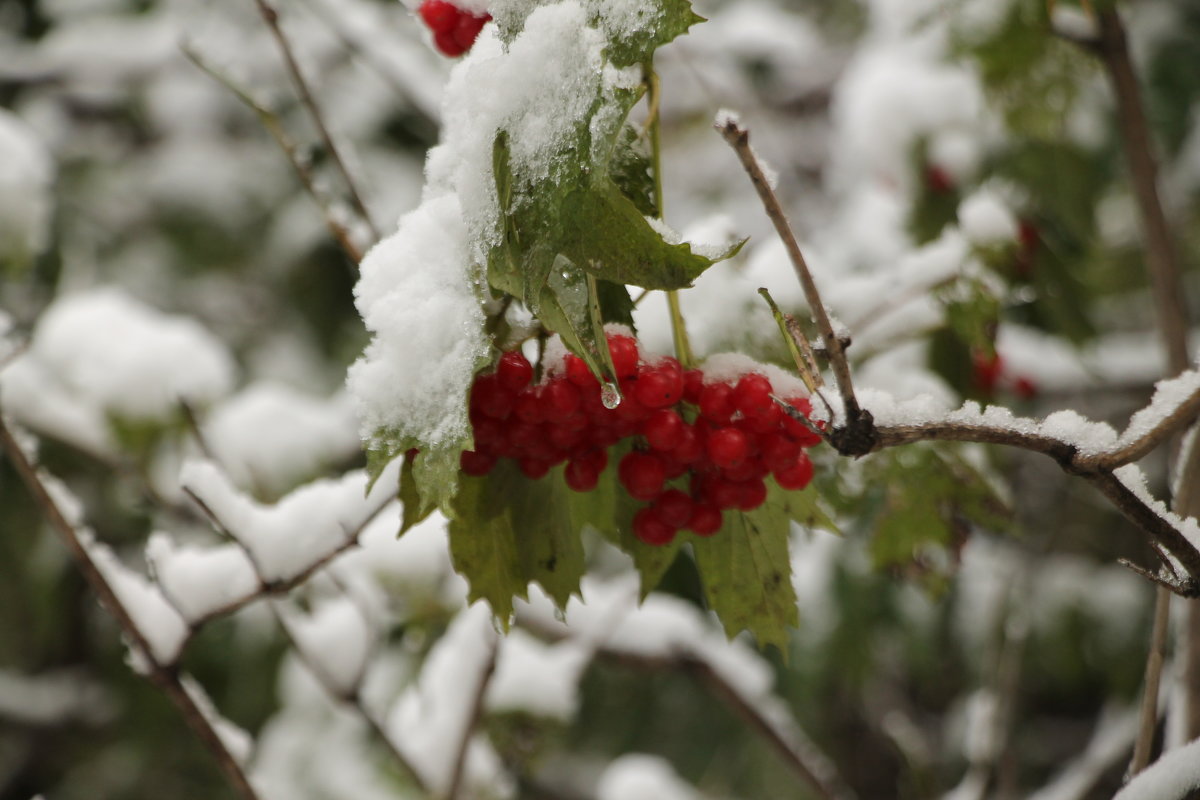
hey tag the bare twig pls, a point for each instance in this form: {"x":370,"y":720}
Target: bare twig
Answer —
{"x":270,"y":121}
{"x":1148,"y":716}
{"x":810,"y":765}
{"x":473,"y":714}
{"x":1162,"y":261}
{"x":165,"y":676}
{"x":857,"y":435}
{"x":271,"y":17}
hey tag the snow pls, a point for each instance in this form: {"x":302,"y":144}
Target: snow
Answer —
{"x":101,"y":352}
{"x":1111,"y":741}
{"x":536,"y":678}
{"x":428,"y":720}
{"x":306,"y":526}
{"x":336,"y":640}
{"x":986,"y":219}
{"x":417,"y":295}
{"x":26,"y":180}
{"x":236,"y":740}
{"x":270,"y":436}
{"x":729,"y":367}
{"x":200,"y":581}
{"x":1132,"y":477}
{"x":642,"y":777}
{"x":1172,"y":776}
{"x":164,"y":630}
{"x":53,"y":697}
{"x":1169,"y":394}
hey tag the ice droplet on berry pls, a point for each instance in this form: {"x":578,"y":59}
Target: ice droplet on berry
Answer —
{"x":610,"y":395}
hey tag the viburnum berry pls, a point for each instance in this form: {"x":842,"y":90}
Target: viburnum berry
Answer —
{"x":674,"y":508}
{"x":651,"y":529}
{"x":581,"y":474}
{"x":440,"y":16}
{"x":663,"y":429}
{"x":476,"y":464}
{"x":727,"y":447}
{"x":454,"y":29}
{"x":660,"y":385}
{"x":752,"y":395}
{"x":514,"y":370}
{"x":706,"y":519}
{"x":624,"y":352}
{"x":797,"y":476}
{"x":716,"y":403}
{"x":642,"y":475}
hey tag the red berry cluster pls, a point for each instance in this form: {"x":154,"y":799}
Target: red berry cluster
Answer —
{"x":454,"y":29}
{"x":737,"y":435}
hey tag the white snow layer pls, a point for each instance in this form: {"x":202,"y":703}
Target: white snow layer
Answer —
{"x":308,"y":525}
{"x":101,"y":354}
{"x":1170,"y":778}
{"x":428,"y":720}
{"x":539,"y":679}
{"x":26,"y":178}
{"x":335,"y":639}
{"x":269,"y":436}
{"x":200,"y":581}
{"x":642,"y":777}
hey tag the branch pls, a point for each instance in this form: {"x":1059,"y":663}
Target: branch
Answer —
{"x":809,"y":764}
{"x":271,"y":17}
{"x":165,"y":676}
{"x":476,"y":710}
{"x":271,"y":122}
{"x":1169,"y":425}
{"x":856,"y":434}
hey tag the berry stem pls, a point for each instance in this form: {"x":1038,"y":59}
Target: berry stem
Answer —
{"x":683,"y":346}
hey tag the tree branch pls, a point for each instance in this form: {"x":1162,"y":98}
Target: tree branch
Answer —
{"x":165,"y":676}
{"x":856,"y":434}
{"x":271,"y":17}
{"x":271,"y":122}
{"x":475,"y":712}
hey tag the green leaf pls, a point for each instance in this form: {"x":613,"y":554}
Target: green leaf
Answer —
{"x":630,"y":168}
{"x":412,"y":509}
{"x":746,"y":569}
{"x":661,"y":22}
{"x":507,"y":530}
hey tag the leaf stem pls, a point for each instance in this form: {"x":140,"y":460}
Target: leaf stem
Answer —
{"x":683,"y":346}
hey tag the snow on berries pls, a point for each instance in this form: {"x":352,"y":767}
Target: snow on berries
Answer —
{"x":718,"y":434}
{"x":454,"y":29}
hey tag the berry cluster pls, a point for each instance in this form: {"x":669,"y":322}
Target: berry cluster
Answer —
{"x":454,"y":29}
{"x":728,"y":435}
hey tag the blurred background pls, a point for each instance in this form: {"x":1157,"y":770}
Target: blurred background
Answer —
{"x":955,"y":175}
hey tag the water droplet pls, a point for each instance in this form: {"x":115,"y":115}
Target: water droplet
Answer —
{"x":560,"y":615}
{"x":610,"y":395}
{"x":502,"y":627}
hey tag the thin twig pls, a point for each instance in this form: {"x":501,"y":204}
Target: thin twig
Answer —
{"x":271,"y":17}
{"x":811,"y":766}
{"x":474,"y":713}
{"x":270,"y":121}
{"x":165,"y":676}
{"x":1183,"y":415}
{"x":1148,"y":716}
{"x":739,"y":139}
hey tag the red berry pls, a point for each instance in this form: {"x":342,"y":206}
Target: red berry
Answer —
{"x":533,"y":468}
{"x":579,"y":374}
{"x":723,"y":493}
{"x":727,"y":447}
{"x":693,"y":385}
{"x":751,"y":494}
{"x":447,"y":44}
{"x":529,"y":406}
{"x":514,"y":370}
{"x":649,"y":528}
{"x":689,"y":449}
{"x":581,"y":474}
{"x":661,"y":385}
{"x":779,"y":451}
{"x":1025,"y":388}
{"x":663,"y":429}
{"x":476,"y":464}
{"x":491,"y":398}
{"x":752,"y":395}
{"x":706,"y":519}
{"x":987,"y":370}
{"x":467,"y":29}
{"x":674,"y":508}
{"x":642,"y":475}
{"x":716,"y":403}
{"x":440,"y":16}
{"x":938,"y":180}
{"x":800,"y":432}
{"x":798,"y":475}
{"x":624,"y":352}
{"x":562,"y":399}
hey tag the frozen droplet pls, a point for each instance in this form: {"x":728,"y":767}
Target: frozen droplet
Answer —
{"x":560,"y":615}
{"x":502,"y":627}
{"x":610,"y":395}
